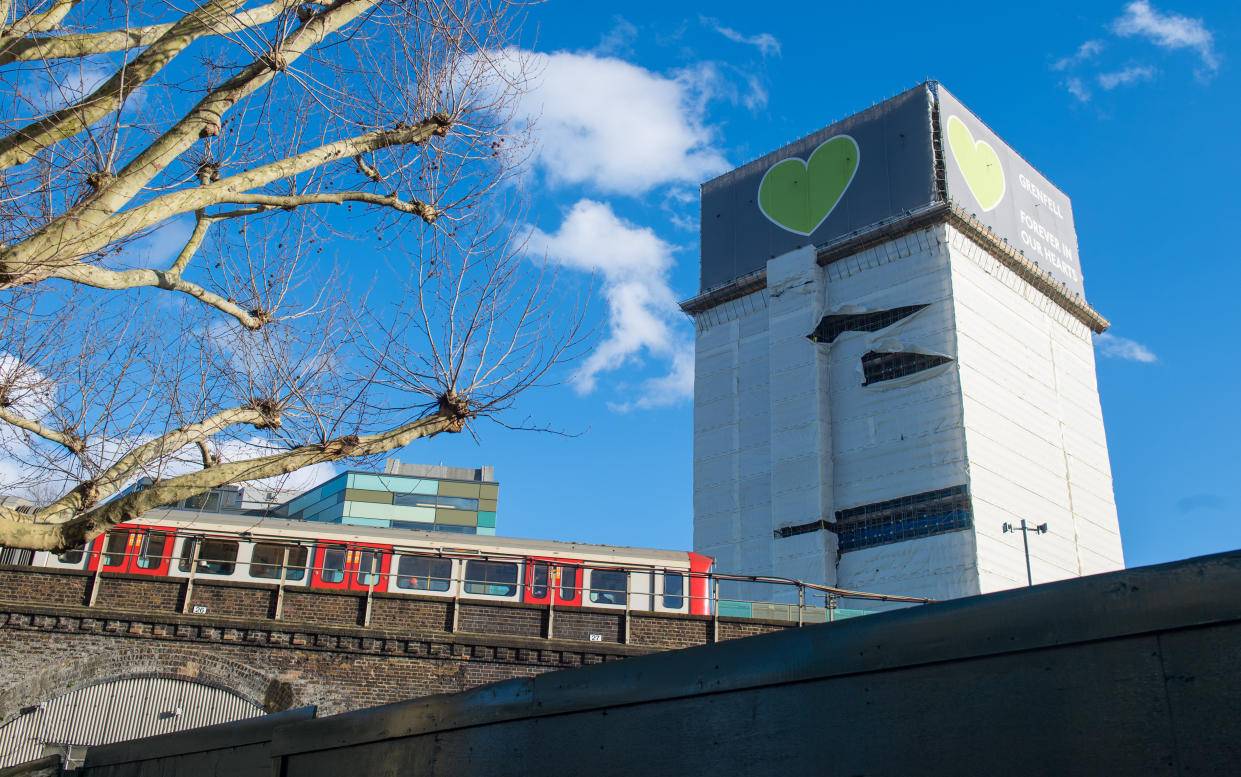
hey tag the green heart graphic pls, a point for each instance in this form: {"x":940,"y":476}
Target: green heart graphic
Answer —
{"x":798,"y":195}
{"x":979,"y":164}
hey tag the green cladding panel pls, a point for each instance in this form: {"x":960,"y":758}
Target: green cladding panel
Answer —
{"x":467,"y":490}
{"x":487,"y":518}
{"x":457,"y":517}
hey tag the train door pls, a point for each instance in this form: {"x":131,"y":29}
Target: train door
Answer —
{"x":553,"y":580}
{"x":137,"y":550}
{"x":352,"y":567}
{"x":368,"y":567}
{"x":152,"y":551}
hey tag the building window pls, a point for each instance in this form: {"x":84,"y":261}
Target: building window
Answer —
{"x":431,"y":500}
{"x":878,"y":367}
{"x":832,"y":327}
{"x":895,"y":520}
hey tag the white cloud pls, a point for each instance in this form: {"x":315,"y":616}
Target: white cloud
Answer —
{"x":1087,"y":50}
{"x":1112,"y":347}
{"x":617,"y":127}
{"x":644,"y":318}
{"x":1130,"y":75}
{"x":618,"y":38}
{"x":1078,"y":89}
{"x":1169,"y":31}
{"x":765,"y":42}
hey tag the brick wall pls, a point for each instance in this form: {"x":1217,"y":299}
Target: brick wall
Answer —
{"x":320,"y":651}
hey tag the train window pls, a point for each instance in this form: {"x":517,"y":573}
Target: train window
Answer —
{"x":333,"y":563}
{"x":493,"y":578}
{"x":368,"y":567}
{"x":538,"y":579}
{"x":568,"y":582}
{"x":114,"y":549}
{"x":217,"y":557}
{"x":607,"y":586}
{"x":423,"y":573}
{"x":266,"y":560}
{"x":674,"y":590}
{"x":187,"y":553}
{"x":72,"y":555}
{"x":151,"y":552}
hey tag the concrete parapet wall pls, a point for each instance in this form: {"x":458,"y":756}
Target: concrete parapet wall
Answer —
{"x":1131,"y":672}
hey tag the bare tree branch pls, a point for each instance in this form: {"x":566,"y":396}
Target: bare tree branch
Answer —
{"x":51,"y":47}
{"x":274,"y":237}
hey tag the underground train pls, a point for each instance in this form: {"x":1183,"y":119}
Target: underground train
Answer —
{"x":187,"y":544}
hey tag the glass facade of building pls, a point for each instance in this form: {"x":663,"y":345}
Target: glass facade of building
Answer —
{"x":400,"y":502}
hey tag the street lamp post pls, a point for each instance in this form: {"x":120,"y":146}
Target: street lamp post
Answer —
{"x":1025,"y":533}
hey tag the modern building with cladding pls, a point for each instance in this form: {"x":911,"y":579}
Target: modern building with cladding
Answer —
{"x":405,"y":496}
{"x":894,"y":361}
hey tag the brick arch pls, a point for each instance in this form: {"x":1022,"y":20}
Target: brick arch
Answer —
{"x":258,"y":685}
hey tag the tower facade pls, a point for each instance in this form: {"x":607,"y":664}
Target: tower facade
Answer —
{"x":894,"y":360}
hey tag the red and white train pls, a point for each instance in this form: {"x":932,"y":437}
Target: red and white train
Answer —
{"x":181,"y":543}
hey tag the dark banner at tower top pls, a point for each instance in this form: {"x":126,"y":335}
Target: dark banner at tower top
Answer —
{"x":876,"y":166}
{"x":1003,"y":191}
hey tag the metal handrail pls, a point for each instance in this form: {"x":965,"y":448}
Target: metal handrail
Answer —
{"x":458,"y":579}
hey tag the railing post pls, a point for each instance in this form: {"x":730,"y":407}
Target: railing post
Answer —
{"x":801,"y":603}
{"x":456,"y":597}
{"x":624,"y":635}
{"x":189,"y":583}
{"x":98,"y":579}
{"x":370,"y":594}
{"x":715,"y":609}
{"x":284,"y":571}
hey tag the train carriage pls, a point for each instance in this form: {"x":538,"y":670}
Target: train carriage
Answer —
{"x":181,"y":543}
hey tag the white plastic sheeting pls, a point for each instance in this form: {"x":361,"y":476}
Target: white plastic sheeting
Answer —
{"x":1034,"y":428}
{"x":786,"y":434}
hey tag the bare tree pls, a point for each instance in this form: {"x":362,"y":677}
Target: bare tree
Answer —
{"x":244,"y":238}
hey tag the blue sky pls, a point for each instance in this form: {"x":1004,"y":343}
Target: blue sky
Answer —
{"x":1130,"y":108}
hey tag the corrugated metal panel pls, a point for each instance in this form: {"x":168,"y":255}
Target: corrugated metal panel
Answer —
{"x":116,"y":711}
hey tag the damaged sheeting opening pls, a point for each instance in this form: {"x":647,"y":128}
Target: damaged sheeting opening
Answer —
{"x":878,"y":367}
{"x":834,"y":325}
{"x":907,"y":518}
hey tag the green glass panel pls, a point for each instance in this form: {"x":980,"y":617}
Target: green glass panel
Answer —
{"x":487,"y":518}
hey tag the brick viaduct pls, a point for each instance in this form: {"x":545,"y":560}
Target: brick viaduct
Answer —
{"x":339,"y":651}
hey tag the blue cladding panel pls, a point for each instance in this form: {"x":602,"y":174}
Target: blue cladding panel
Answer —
{"x":331,"y":514}
{"x":352,"y":521}
{"x":396,"y":484}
